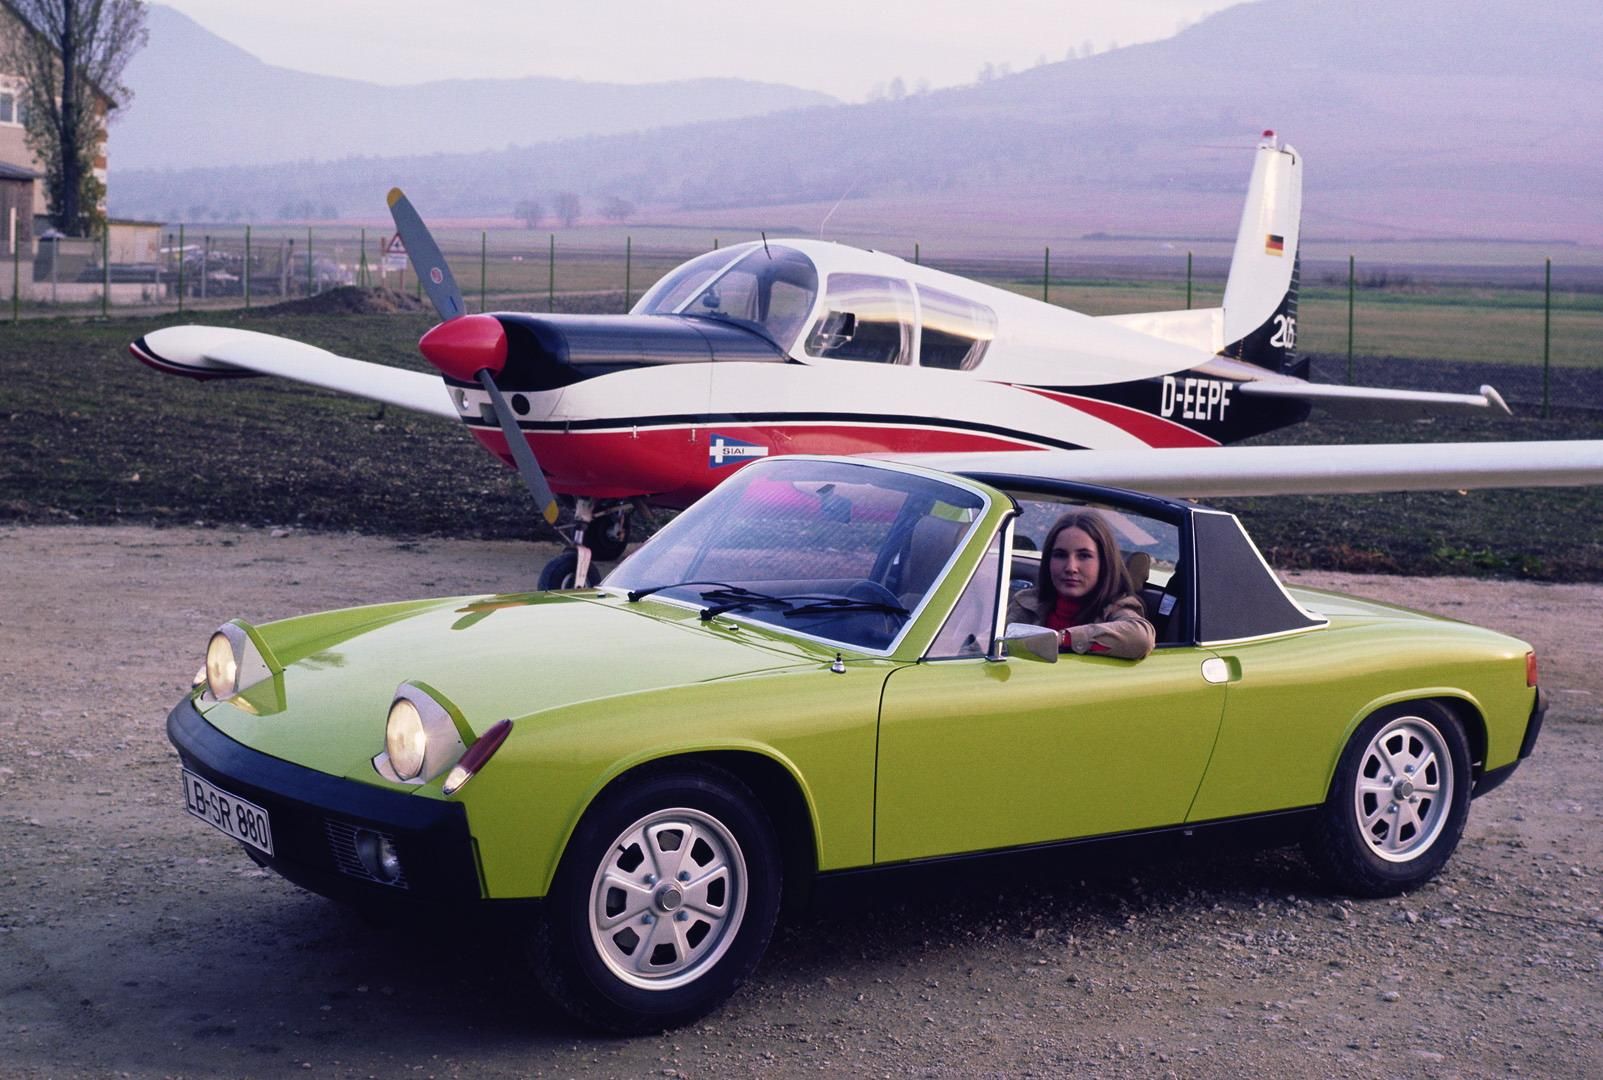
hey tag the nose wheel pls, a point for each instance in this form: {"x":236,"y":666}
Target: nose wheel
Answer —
{"x":598,"y":536}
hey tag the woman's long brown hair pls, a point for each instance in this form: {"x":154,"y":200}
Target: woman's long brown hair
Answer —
{"x":1113,"y":577}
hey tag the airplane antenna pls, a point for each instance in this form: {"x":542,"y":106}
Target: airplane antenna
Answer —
{"x":832,"y":209}
{"x":766,"y":252}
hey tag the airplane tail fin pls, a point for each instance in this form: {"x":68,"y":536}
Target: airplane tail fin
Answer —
{"x":1260,"y":301}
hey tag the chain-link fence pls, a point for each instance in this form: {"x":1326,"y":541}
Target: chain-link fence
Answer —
{"x":1512,"y":313}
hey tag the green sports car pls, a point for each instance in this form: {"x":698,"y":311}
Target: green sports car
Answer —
{"x":809,"y":673}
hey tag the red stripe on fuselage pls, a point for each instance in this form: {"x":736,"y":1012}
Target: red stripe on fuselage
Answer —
{"x":1152,"y":430}
{"x":674,"y":465}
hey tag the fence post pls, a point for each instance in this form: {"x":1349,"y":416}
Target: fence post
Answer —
{"x":361,"y":271}
{"x":1046,"y":277}
{"x":310,"y":284}
{"x":180,"y":268}
{"x":245,"y":273}
{"x":105,"y":270}
{"x":1547,"y":336}
{"x":205,"y":261}
{"x":1350,"y":276}
{"x":916,"y":261}
{"x":1188,"y":281}
{"x":628,"y":267}
{"x":484,"y":293}
{"x":715,"y":243}
{"x":551,"y":275}
{"x":16,"y":277}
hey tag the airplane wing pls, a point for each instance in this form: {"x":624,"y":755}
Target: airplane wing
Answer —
{"x":1373,"y":402}
{"x":1218,"y":472}
{"x":212,"y":352}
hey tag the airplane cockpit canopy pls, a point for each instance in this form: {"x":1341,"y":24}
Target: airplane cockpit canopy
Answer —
{"x":877,"y":318}
{"x":769,"y":289}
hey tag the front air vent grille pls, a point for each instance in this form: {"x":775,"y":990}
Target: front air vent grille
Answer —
{"x":342,"y":846}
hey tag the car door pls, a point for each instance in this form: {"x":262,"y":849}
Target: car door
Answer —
{"x":976,"y":754}
{"x":979,"y":752}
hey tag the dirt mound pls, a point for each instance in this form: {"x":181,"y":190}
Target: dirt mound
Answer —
{"x":347,"y":300}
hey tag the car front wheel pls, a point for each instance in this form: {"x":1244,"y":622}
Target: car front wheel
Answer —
{"x":664,"y":902}
{"x":1398,"y":804}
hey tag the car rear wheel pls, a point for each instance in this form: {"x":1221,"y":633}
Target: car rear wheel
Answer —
{"x":1398,"y":804}
{"x":664,"y":902}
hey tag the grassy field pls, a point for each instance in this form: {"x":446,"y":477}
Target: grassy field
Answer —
{"x":88,"y":434}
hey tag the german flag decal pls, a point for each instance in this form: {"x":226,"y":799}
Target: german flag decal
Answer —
{"x":1274,"y":245}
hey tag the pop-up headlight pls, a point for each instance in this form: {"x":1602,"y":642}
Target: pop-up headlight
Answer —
{"x":423,"y":736}
{"x":234,"y":661}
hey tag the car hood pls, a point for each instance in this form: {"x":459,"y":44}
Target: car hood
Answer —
{"x":491,"y":656}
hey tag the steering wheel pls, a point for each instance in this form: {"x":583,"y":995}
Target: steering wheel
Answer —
{"x":872,"y":592}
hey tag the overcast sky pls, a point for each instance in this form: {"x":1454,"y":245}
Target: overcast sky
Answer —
{"x":841,"y":47}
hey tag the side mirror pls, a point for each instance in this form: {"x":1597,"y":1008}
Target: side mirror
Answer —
{"x":1030,"y":642}
{"x":836,"y":329}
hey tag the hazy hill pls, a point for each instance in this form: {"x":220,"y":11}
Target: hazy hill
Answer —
{"x":1431,"y":118}
{"x":201,"y":101}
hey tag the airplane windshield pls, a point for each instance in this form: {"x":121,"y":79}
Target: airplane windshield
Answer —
{"x":769,"y":290}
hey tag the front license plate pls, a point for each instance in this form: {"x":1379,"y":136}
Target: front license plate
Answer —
{"x":228,"y":813}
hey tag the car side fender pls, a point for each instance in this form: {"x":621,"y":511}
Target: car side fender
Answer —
{"x":1462,"y":703}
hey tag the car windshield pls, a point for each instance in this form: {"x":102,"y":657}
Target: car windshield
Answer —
{"x":769,"y":290}
{"x":831,"y":550}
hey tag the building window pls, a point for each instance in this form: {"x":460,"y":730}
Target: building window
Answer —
{"x":8,"y":107}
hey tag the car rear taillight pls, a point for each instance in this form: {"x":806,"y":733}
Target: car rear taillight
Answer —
{"x":1530,"y":668}
{"x":477,"y":754}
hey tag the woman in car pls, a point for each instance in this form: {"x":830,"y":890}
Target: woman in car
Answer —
{"x":1085,"y":592}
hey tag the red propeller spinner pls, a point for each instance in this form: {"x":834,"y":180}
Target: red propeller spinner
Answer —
{"x":464,"y":346}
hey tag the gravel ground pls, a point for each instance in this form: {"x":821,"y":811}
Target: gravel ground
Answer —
{"x":135,"y":941}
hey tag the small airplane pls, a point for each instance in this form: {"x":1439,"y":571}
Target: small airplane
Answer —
{"x":808,"y":346}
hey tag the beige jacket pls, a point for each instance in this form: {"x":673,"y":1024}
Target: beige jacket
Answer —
{"x":1122,"y":631}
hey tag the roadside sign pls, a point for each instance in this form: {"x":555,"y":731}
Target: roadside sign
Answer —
{"x":394,"y":254}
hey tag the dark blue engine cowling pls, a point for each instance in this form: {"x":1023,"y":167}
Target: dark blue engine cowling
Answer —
{"x":545,"y":352}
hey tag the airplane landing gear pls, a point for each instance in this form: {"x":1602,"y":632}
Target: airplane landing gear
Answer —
{"x":597,"y":536}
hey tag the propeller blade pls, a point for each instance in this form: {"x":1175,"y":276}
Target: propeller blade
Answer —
{"x":427,"y":261}
{"x":528,"y":468}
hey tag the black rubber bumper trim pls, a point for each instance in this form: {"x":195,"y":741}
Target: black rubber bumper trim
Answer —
{"x":431,"y":837}
{"x":1534,"y":727}
{"x":1496,"y":778}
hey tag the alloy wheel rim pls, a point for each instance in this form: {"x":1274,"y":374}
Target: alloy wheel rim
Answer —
{"x":1403,"y":792}
{"x":668,"y":898}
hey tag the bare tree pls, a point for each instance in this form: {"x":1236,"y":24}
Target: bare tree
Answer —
{"x":529,"y":211}
{"x":566,"y":204}
{"x":71,"y":55}
{"x":616,"y":208}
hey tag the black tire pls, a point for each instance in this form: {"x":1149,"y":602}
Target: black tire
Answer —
{"x":705,"y":940}
{"x":1379,"y":833}
{"x":607,"y":536}
{"x":559,"y":572}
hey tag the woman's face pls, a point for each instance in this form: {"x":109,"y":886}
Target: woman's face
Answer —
{"x":1075,"y":565}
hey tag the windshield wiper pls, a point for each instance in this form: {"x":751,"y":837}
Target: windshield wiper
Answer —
{"x":843,"y":603}
{"x":734,"y":598}
{"x":636,"y":595}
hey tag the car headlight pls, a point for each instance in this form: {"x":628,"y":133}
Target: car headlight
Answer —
{"x":423,"y":735}
{"x":234,"y":662}
{"x":405,"y":739}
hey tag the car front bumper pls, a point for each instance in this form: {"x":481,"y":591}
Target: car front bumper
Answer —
{"x":315,"y":818}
